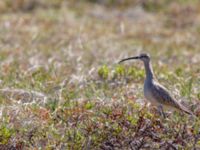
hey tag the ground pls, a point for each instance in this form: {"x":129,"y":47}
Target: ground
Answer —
{"x":61,"y":86}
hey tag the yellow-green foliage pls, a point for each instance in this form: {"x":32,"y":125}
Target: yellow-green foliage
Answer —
{"x":55,"y":93}
{"x":103,"y":72}
{"x":119,"y":71}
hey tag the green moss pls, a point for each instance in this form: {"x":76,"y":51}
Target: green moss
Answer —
{"x":132,"y":119}
{"x":136,"y":73}
{"x":103,"y":72}
{"x":89,"y":105}
{"x":119,"y":71}
{"x":5,"y":134}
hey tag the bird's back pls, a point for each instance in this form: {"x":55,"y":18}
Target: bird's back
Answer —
{"x":163,"y":97}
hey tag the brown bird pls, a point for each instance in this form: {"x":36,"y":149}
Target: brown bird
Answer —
{"x":157,"y":94}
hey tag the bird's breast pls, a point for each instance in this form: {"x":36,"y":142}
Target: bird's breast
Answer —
{"x":148,"y":87}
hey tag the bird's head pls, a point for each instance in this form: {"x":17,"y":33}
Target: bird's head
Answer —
{"x":144,"y":57}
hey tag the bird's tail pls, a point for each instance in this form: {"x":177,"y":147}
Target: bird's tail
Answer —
{"x":185,"y":110}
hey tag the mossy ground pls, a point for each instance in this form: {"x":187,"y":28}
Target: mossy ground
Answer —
{"x":61,"y":86}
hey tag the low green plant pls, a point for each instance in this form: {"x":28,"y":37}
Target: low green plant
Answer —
{"x":119,"y":70}
{"x":103,"y":72}
{"x":5,"y":134}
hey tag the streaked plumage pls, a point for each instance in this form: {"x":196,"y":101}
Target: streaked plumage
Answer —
{"x":157,"y":94}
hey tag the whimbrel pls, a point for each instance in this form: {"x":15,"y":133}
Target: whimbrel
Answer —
{"x":157,"y":94}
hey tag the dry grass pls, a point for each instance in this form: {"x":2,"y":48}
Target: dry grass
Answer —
{"x":61,"y":86}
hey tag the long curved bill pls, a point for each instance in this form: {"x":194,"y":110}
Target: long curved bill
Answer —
{"x":136,"y":57}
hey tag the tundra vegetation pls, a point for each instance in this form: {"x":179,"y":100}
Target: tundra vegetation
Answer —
{"x":61,"y":86}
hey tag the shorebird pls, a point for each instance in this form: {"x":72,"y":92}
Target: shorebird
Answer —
{"x":154,"y":92}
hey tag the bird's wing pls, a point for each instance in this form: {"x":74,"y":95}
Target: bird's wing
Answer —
{"x":162,"y":94}
{"x":164,"y":97}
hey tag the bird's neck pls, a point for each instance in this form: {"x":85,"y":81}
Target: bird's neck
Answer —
{"x":148,"y":71}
